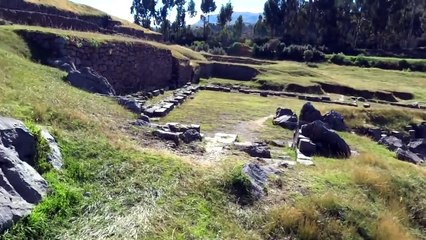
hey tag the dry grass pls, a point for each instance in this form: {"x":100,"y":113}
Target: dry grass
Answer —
{"x":374,"y":179}
{"x":389,"y":228}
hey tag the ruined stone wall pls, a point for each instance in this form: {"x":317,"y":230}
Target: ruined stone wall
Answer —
{"x":20,"y":12}
{"x":129,"y":67}
{"x":228,"y":71}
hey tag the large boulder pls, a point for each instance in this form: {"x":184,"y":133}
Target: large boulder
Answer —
{"x":23,"y":178}
{"x":328,"y":142}
{"x":12,"y":206}
{"x":391,"y":142}
{"x":335,"y":121}
{"x":256,"y":150}
{"x":54,"y":157}
{"x":408,"y":156}
{"x":89,"y":80}
{"x":20,"y":188}
{"x":14,"y":135}
{"x":285,"y":118}
{"x":191,"y":135}
{"x":283,"y":111}
{"x":418,"y":146}
{"x":309,"y":113}
{"x":130,"y":103}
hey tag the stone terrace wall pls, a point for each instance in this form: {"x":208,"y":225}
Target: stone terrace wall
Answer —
{"x":18,"y":11}
{"x":129,"y":67}
{"x":228,"y":71}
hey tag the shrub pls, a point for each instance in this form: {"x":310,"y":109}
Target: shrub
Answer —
{"x":239,"y":49}
{"x":200,"y":46}
{"x":308,"y":55}
{"x":217,"y":51}
{"x":361,"y":61}
{"x":403,"y":64}
{"x":338,"y":58}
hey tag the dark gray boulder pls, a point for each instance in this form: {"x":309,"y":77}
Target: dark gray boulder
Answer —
{"x":168,"y":136}
{"x":335,"y":121}
{"x":24,"y":179}
{"x":283,"y":111}
{"x":286,"y":121}
{"x":14,"y":135}
{"x":408,"y":156}
{"x":418,"y":146}
{"x":309,"y":113}
{"x":54,"y":156}
{"x":391,"y":142}
{"x":130,"y":103}
{"x":285,"y":118}
{"x":12,"y":206}
{"x":307,"y":147}
{"x":328,"y":143}
{"x":89,"y":80}
{"x":258,"y":150}
{"x":191,"y":135}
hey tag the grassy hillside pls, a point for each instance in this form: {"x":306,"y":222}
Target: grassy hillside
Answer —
{"x":81,"y":9}
{"x":96,"y":38}
{"x":110,"y":187}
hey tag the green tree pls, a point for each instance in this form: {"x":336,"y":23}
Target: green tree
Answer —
{"x":144,"y":12}
{"x":207,"y":6}
{"x":191,"y":9}
{"x":260,"y":28}
{"x":225,"y":14}
{"x":238,"y":27}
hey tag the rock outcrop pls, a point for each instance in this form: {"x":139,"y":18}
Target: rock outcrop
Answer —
{"x":335,"y":121}
{"x":21,"y":186}
{"x":14,"y":135}
{"x":309,"y":114}
{"x":89,"y":80}
{"x":328,"y":143}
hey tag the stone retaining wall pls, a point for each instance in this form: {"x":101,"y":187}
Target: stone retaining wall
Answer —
{"x":228,"y":71}
{"x":20,"y":12}
{"x":129,"y":67}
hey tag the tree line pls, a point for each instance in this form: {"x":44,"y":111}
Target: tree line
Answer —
{"x":335,"y":24}
{"x":343,"y":24}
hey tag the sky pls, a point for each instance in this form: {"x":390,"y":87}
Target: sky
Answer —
{"x":121,"y":8}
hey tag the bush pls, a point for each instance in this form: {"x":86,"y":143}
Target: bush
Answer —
{"x":361,"y":61}
{"x":308,"y":55}
{"x":239,"y":49}
{"x":338,"y":59}
{"x":217,"y":51}
{"x":200,"y":46}
{"x":403,"y":64}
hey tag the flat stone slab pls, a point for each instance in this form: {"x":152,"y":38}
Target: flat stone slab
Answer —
{"x":306,"y":162}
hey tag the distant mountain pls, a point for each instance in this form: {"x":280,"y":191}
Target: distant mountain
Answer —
{"x":248,"y":18}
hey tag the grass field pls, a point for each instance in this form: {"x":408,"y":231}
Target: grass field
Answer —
{"x":373,"y":79}
{"x":360,"y":78}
